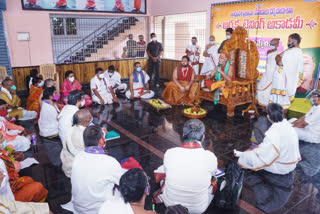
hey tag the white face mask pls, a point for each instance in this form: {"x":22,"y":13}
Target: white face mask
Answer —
{"x":101,"y":76}
{"x":71,"y":79}
{"x":82,"y":103}
{"x":154,"y":39}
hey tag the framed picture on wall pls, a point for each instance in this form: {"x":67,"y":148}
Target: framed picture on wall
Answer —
{"x":110,"y":6}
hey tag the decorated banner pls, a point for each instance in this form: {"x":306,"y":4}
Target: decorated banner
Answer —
{"x":118,"y":6}
{"x":269,"y":19}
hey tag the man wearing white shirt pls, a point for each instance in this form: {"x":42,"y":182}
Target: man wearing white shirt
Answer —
{"x":188,"y":171}
{"x":94,"y":174}
{"x":139,"y":86}
{"x":193,"y":51}
{"x":101,"y":89}
{"x":75,"y":101}
{"x":114,"y":78}
{"x":308,"y":126}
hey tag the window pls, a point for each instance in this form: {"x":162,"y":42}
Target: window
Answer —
{"x":64,"y":26}
{"x":175,"y":32}
{"x":58,"y":26}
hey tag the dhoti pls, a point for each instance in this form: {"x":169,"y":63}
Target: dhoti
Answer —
{"x":174,"y":96}
{"x":140,"y":93}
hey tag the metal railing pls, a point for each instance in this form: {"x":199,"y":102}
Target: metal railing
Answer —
{"x":96,"y":39}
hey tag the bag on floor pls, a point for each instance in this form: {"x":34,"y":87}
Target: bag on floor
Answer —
{"x":176,"y":209}
{"x":228,"y":197}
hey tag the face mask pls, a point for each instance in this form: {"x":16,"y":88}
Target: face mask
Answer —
{"x":4,"y":144}
{"x":154,"y":39}
{"x":138,"y":69}
{"x":290,"y":45}
{"x":71,"y":79}
{"x":13,"y":87}
{"x":40,"y":84}
{"x":211,"y":42}
{"x":4,"y":113}
{"x":272,"y":47}
{"x":312,"y":101}
{"x":183,"y":65}
{"x":101,"y":76}
{"x":228,"y":36}
{"x":82,"y":103}
{"x":141,"y":39}
{"x":56,"y":97}
{"x":194,"y":43}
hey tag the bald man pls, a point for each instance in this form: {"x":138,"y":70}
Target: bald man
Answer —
{"x":9,"y":95}
{"x":74,"y":140}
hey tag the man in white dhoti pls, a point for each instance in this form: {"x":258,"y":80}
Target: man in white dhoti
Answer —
{"x":101,"y":89}
{"x":289,"y":75}
{"x":279,"y":152}
{"x":193,"y":51}
{"x":139,"y":86}
{"x":114,"y":78}
{"x":94,"y":174}
{"x":188,"y":170}
{"x":265,"y":84}
{"x":211,"y":58}
{"x":308,"y":126}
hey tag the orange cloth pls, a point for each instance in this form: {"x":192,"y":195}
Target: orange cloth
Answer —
{"x":25,"y":189}
{"x":174,"y":96}
{"x":33,"y":99}
{"x":9,"y":126}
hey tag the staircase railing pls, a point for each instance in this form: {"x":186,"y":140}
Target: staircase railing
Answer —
{"x":91,"y":38}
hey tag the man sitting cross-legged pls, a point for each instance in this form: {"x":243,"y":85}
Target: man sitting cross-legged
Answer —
{"x":188,"y":170}
{"x":181,"y":89}
{"x":101,"y":89}
{"x":114,"y":78}
{"x":139,"y":86}
{"x":308,"y":126}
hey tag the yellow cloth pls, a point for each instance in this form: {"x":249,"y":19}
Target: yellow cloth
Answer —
{"x":174,"y":96}
{"x":14,"y":103}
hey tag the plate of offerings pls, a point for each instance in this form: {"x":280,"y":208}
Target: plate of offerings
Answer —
{"x":194,"y":112}
{"x":158,"y":104}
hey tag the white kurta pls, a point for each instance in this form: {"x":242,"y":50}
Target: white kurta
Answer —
{"x":102,"y":88}
{"x":5,"y":189}
{"x":210,"y":62}
{"x":48,"y":122}
{"x":193,"y":58}
{"x":310,"y":133}
{"x":73,"y":145}
{"x":114,"y":79}
{"x":138,"y":87}
{"x":265,"y":84}
{"x":93,"y":178}
{"x":116,"y":205}
{"x":288,"y":78}
{"x":65,"y":120}
{"x":188,"y":178}
{"x":278,"y":153}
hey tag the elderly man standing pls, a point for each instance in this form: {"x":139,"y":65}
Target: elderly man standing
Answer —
{"x":188,"y":170}
{"x":181,"y":89}
{"x":154,"y":51}
{"x":193,"y":52}
{"x":308,"y":126}
{"x":279,"y":152}
{"x":94,"y":174}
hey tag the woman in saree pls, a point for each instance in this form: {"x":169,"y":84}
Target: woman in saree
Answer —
{"x":71,"y":84}
{"x":34,"y":94}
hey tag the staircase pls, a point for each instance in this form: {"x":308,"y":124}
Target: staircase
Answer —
{"x":106,"y":36}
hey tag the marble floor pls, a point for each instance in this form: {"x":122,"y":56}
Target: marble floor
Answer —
{"x":146,"y":134}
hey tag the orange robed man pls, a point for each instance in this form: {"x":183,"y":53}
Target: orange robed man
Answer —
{"x":181,"y":89}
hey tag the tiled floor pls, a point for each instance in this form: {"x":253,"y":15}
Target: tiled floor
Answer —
{"x":146,"y":134}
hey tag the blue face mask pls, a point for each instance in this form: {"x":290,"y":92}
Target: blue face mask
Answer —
{"x":228,"y":36}
{"x":138,"y":69}
{"x":4,"y":144}
{"x":194,"y":43}
{"x":211,"y":42}
{"x":272,"y":47}
{"x":13,"y":87}
{"x":312,"y":101}
{"x":40,"y":84}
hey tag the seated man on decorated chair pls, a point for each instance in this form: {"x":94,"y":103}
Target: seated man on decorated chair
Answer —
{"x":181,"y":89}
{"x":216,"y":80}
